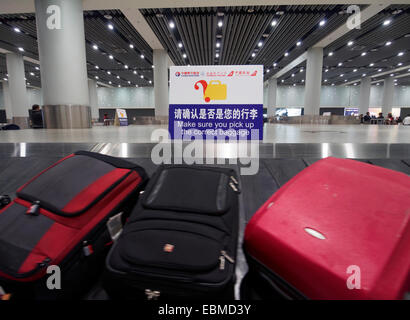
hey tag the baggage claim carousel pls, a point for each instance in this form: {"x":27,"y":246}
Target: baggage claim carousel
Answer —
{"x":277,"y":164}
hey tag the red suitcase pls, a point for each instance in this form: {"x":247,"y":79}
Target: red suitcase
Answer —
{"x":59,"y":218}
{"x":338,"y":230}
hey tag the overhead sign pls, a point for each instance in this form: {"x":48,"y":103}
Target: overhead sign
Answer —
{"x":219,"y":101}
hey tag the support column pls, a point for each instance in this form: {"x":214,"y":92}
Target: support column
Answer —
{"x":161,"y":100}
{"x":61,"y":40}
{"x":7,"y":101}
{"x":388,"y":94}
{"x":364,"y":98}
{"x":313,"y":81}
{"x":17,"y":89}
{"x":92,"y":90}
{"x":272,"y":89}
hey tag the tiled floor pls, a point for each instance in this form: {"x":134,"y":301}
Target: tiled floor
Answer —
{"x":273,"y":133}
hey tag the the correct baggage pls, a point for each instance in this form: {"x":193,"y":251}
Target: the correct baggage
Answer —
{"x":340,"y":229}
{"x":59,"y":218}
{"x":181,"y":239}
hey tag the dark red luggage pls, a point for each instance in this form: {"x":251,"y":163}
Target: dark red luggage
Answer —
{"x":59,"y":218}
{"x":338,"y":230}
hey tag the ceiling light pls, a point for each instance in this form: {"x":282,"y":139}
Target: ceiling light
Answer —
{"x":5,"y":79}
{"x":153,"y":67}
{"x":31,"y":73}
{"x":395,"y":80}
{"x":283,"y":81}
{"x":355,"y":84}
{"x":386,"y":22}
{"x":118,"y":77}
{"x":150,"y":81}
{"x":96,"y":77}
{"x":363,"y":75}
{"x":371,"y":65}
{"x":342,"y":75}
{"x":325,"y":80}
{"x":340,"y":64}
{"x":286,"y":54}
{"x":131,"y":46}
{"x":109,"y":72}
{"x":136,"y":85}
{"x":330,"y":54}
{"x":184,"y":56}
{"x":260,"y":44}
{"x":142,"y":77}
{"x":380,"y":70}
{"x":293,"y":74}
{"x":303,"y":80}
{"x":345,"y":80}
{"x":125,"y":66}
{"x":220,"y":24}
{"x":119,"y":86}
{"x":142,"y":56}
{"x":298,"y":43}
{"x":350,"y":43}
{"x":400,"y":54}
{"x":218,"y":44}
{"x":274,"y":23}
{"x":17,"y":30}
{"x":253,"y":54}
{"x":399,"y":64}
{"x":180,"y":44}
{"x":110,"y":26}
{"x":275,"y":64}
{"x":377,"y":84}
{"x":333,"y":84}
{"x":172,"y":25}
{"x":294,"y":84}
{"x":388,"y":43}
{"x":111,"y":57}
{"x":391,"y":74}
{"x":21,"y":49}
{"x":322,"y":22}
{"x":354,"y":70}
{"x":129,"y":82}
{"x":217,"y":55}
{"x":97,"y":67}
{"x":301,"y":69}
{"x":95,"y":47}
{"x":267,"y":71}
{"x":37,"y":68}
{"x":134,"y":72}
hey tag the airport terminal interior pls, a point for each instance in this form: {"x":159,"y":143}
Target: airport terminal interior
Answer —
{"x":334,"y":84}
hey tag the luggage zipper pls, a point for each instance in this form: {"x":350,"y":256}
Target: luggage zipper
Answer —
{"x":152,"y":295}
{"x":34,"y":208}
{"x":224,"y":256}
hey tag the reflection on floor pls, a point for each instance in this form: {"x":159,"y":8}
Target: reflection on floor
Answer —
{"x":19,"y":163}
{"x":273,"y":133}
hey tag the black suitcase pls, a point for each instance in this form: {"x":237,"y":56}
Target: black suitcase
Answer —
{"x":59,"y":218}
{"x":181,"y":239}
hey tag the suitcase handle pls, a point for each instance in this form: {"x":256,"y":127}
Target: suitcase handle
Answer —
{"x":215,"y":82}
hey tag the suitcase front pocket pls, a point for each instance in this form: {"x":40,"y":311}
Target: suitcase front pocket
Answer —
{"x":182,"y":246}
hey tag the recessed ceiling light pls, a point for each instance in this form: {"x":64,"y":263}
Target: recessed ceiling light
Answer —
{"x":31,"y":73}
{"x":275,"y":64}
{"x":109,"y":82}
{"x":109,"y":72}
{"x":217,"y":55}
{"x":131,"y":46}
{"x":350,"y":43}
{"x":129,"y":82}
{"x":363,"y":75}
{"x":380,"y":70}
{"x":386,"y":22}
{"x":142,"y":77}
{"x":286,"y":54}
{"x":220,"y":24}
{"x":371,"y":65}
{"x":218,"y":44}
{"x":330,"y":54}
{"x":363,"y":54}
{"x":21,"y":49}
{"x":283,"y":81}
{"x":303,"y":80}
{"x":125,"y":66}
{"x":134,"y":72}
{"x":172,"y":25}
{"x":322,"y":22}
{"x":253,"y":54}
{"x":293,"y":75}
{"x":180,"y":44}
{"x":327,"y":70}
{"x":111,"y":56}
{"x":119,"y":86}
{"x":5,"y":79}
{"x":267,"y":70}
{"x":97,"y":67}
{"x":274,"y":23}
{"x":342,"y":75}
{"x":260,"y":44}
{"x":333,"y":84}
{"x":301,"y":70}
{"x":110,"y":26}
{"x":17,"y":30}
{"x":355,"y":84}
{"x":345,"y":80}
{"x":118,"y":77}
{"x":150,"y":81}
{"x":377,"y":84}
{"x":340,"y":64}
{"x":184,"y":56}
{"x":299,"y":43}
{"x":37,"y":68}
{"x":96,"y":77}
{"x":142,"y":56}
{"x":388,"y":43}
{"x":153,"y":67}
{"x":354,"y":70}
{"x":400,"y":54}
{"x":136,"y":85}
{"x":391,"y":74}
{"x":95,"y":47}
{"x":399,"y":64}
